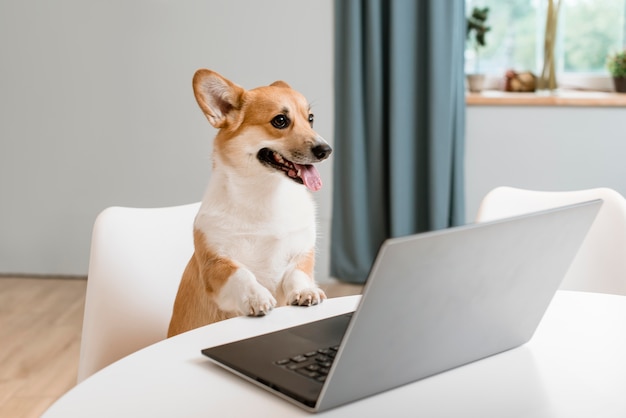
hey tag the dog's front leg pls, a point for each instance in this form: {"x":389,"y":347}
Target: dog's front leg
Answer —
{"x":241,"y":293}
{"x":298,"y":284}
{"x":234,"y":289}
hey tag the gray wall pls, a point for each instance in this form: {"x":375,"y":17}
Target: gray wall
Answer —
{"x":543,"y":148}
{"x":96,"y":108}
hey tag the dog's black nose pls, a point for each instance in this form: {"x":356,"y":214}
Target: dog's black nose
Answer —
{"x":321,"y":151}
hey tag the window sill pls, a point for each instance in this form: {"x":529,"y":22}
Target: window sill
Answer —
{"x":558,"y":98}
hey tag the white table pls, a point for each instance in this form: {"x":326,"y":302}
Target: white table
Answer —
{"x":574,"y":366}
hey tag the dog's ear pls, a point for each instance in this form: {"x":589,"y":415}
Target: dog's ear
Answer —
{"x":216,"y":96}
{"x":280,"y":83}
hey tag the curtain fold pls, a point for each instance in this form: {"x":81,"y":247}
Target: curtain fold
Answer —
{"x":399,"y":125}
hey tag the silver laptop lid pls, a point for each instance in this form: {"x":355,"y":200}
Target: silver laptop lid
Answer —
{"x":442,"y":299}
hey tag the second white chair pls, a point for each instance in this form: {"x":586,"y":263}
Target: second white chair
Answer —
{"x":600,"y":265}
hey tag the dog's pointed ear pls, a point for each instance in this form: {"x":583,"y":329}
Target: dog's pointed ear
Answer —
{"x":280,"y":83}
{"x":217,"y":97}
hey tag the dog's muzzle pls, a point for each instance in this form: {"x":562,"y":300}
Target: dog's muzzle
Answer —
{"x":304,"y":172}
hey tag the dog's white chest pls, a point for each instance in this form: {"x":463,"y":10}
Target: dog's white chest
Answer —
{"x":264,"y":235}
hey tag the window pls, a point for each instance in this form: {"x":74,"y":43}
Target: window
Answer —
{"x":587,"y":31}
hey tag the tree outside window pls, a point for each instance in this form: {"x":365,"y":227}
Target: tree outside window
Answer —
{"x":588,"y":30}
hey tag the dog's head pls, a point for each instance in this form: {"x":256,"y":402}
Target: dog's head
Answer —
{"x":264,"y":130}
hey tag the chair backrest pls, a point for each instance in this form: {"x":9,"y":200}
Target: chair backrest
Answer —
{"x":600,"y":265}
{"x":136,"y":263}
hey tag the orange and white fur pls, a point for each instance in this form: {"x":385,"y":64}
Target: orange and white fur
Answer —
{"x":255,"y":231}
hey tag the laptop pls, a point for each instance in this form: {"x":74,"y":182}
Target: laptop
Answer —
{"x":432,"y":302}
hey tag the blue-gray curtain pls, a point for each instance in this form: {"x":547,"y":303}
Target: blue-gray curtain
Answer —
{"x":399,"y":125}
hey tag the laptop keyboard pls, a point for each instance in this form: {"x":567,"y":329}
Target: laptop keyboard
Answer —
{"x":313,"y":364}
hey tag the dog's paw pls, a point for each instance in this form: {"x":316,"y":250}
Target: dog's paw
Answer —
{"x":258,"y":301}
{"x":306,"y":297}
{"x":243,"y":295}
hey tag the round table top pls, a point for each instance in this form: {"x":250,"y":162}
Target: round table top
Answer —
{"x":574,"y":366}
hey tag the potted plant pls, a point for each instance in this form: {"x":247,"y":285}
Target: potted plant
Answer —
{"x":476,"y":30}
{"x":616,"y":64}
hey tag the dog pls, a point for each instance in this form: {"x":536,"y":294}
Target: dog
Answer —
{"x":254,"y":234}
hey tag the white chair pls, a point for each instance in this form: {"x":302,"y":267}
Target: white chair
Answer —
{"x":136,"y":263}
{"x":600,"y":265}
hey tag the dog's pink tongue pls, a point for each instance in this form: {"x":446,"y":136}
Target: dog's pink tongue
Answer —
{"x":310,"y":176}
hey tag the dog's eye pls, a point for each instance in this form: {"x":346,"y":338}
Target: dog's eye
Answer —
{"x":280,"y":121}
{"x":311,"y":118}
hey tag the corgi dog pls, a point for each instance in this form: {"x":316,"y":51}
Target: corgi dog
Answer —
{"x":254,"y":234}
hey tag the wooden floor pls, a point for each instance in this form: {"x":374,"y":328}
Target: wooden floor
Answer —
{"x":40,"y":328}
